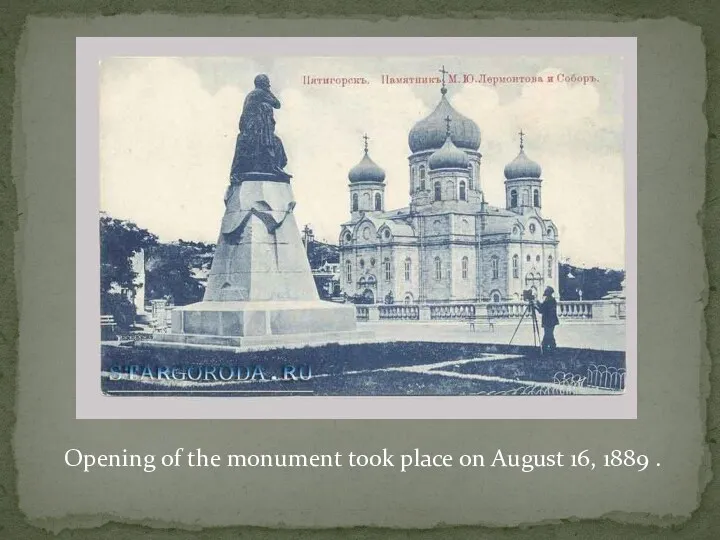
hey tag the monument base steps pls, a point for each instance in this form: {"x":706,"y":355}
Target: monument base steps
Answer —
{"x":265,"y":324}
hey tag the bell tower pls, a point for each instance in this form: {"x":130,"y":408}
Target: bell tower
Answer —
{"x":523,"y":182}
{"x":367,"y":186}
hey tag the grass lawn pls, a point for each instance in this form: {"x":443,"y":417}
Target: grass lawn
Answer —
{"x":398,"y":368}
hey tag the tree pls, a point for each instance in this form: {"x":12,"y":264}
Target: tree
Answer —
{"x":170,"y":271}
{"x":319,"y":253}
{"x":593,"y":282}
{"x":119,"y":241}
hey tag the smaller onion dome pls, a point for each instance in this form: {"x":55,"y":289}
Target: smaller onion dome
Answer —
{"x":448,"y":156}
{"x":522,"y":166}
{"x":367,"y":170}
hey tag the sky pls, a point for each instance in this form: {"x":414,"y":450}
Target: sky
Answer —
{"x":168,"y":128}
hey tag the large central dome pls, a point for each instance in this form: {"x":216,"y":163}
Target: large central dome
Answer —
{"x":429,"y":133}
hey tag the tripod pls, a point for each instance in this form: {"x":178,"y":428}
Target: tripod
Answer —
{"x":537,"y":342}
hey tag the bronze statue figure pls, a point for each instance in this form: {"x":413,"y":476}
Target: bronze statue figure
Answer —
{"x":259,"y":153}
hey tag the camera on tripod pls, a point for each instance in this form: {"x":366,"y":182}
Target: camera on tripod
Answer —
{"x":528,"y":296}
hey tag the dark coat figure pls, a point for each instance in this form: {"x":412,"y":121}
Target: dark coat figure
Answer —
{"x":548,"y":311}
{"x":258,"y":149}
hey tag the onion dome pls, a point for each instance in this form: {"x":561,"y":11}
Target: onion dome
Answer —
{"x":448,"y":156}
{"x":429,"y":133}
{"x":522,"y":166}
{"x":367,"y":170}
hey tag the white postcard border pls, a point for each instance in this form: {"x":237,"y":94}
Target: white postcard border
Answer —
{"x":90,"y":401}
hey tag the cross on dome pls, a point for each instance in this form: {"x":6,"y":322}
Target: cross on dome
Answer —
{"x":430,"y":132}
{"x":442,"y":70}
{"x":522,"y":167}
{"x":448,"y":156}
{"x":367,"y":170}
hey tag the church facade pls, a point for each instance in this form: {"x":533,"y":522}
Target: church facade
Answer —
{"x":448,"y":244}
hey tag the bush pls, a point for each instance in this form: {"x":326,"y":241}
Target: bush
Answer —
{"x":122,"y":310}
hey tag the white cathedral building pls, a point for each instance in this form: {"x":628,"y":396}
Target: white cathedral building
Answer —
{"x":449,"y":244}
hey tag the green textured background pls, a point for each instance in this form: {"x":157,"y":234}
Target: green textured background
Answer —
{"x":12,"y":524}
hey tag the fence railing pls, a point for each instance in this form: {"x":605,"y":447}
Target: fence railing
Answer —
{"x":575,"y":310}
{"x":402,"y":312}
{"x":605,"y":377}
{"x":590,"y":310}
{"x":443,"y":312}
{"x":598,"y":377}
{"x":506,"y":310}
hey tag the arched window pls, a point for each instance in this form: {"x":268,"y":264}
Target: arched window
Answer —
{"x":513,"y":198}
{"x":471,"y":180}
{"x":348,"y":270}
{"x":464,"y":267}
{"x":408,"y":268}
{"x":378,"y":202}
{"x":422,"y":177}
{"x":412,"y":179}
{"x":496,"y":297}
{"x":386,"y":265}
{"x":515,"y":266}
{"x":550,"y":266}
{"x":495,"y":265}
{"x":463,"y":195}
{"x":367,"y":201}
{"x":355,"y":202}
{"x":525,"y":197}
{"x":438,"y":269}
{"x":536,"y":198}
{"x":438,"y":191}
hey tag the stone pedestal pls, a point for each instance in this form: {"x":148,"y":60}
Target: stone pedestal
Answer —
{"x":260,"y":290}
{"x":237,"y":324}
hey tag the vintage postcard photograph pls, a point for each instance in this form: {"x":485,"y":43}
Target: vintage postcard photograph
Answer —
{"x":364,"y":226}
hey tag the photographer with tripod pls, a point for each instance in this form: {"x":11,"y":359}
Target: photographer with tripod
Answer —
{"x":548,"y":310}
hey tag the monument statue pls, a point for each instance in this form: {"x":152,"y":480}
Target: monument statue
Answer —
{"x":260,"y":290}
{"x":259,"y":153}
